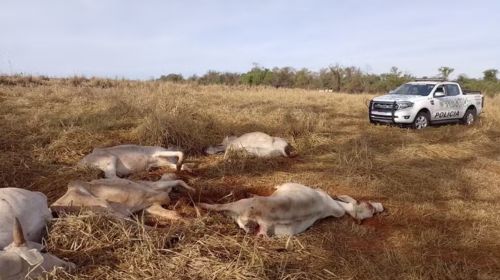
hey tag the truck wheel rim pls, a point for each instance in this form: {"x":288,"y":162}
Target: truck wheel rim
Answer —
{"x":421,"y":122}
{"x":470,"y":119}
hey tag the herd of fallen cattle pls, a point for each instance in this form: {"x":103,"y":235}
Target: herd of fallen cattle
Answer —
{"x":291,"y":209}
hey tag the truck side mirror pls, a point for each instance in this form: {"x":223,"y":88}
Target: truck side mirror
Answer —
{"x":439,"y":94}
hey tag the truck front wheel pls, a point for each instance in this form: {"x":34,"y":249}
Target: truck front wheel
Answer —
{"x":469,"y":117}
{"x":421,"y":120}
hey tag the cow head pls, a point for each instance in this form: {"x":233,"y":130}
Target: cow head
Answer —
{"x":22,"y":257}
{"x":365,"y":209}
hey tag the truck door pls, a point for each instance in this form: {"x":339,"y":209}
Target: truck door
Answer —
{"x":457,"y":101}
{"x":437,"y":103}
{"x":447,"y":100}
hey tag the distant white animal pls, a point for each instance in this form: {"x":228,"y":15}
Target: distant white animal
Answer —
{"x":31,"y":209}
{"x":257,"y":144}
{"x":23,"y":260}
{"x":123,"y":160}
{"x":291,"y":209}
{"x":121,"y":197}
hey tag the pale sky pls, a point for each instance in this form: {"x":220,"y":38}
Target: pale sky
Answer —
{"x":146,"y":39}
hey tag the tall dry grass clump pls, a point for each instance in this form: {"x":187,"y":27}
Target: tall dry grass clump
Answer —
{"x":440,"y":186}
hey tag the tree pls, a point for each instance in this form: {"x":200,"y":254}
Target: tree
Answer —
{"x":445,"y":71}
{"x":228,"y":78}
{"x":211,"y":77}
{"x":172,"y":78}
{"x":395,"y":71}
{"x":325,"y":79}
{"x":283,"y":77}
{"x":393,"y":79}
{"x":303,"y":78}
{"x":353,"y":80}
{"x":338,"y":75}
{"x":193,"y":78}
{"x":256,"y":76}
{"x":462,"y":78}
{"x":490,"y":75}
{"x":268,"y":77}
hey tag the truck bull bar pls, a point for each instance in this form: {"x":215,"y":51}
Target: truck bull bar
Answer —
{"x":382,"y":118}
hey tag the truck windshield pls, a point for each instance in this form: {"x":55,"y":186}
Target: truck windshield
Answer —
{"x":414,"y":89}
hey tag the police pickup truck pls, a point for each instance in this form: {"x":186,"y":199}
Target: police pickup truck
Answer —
{"x":424,"y":102}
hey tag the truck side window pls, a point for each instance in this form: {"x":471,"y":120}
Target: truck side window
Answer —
{"x":440,"y":89}
{"x":452,"y":90}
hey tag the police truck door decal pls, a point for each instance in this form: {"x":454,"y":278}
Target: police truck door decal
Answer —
{"x":449,"y":107}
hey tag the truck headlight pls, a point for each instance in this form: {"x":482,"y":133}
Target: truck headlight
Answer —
{"x":403,"y":105}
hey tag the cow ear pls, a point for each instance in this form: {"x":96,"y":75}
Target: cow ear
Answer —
{"x":34,"y":245}
{"x":32,"y":256}
{"x":17,"y":234}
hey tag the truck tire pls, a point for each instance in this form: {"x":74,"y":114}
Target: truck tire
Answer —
{"x":469,"y":117}
{"x":421,"y":121}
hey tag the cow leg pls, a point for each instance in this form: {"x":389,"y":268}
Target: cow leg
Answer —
{"x":177,"y":166}
{"x":167,"y":185}
{"x":184,"y":185}
{"x":159,"y":211}
{"x":108,"y":165}
{"x":213,"y":207}
{"x":235,"y":208}
{"x":166,"y":154}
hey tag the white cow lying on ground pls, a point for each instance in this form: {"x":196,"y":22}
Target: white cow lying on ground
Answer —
{"x":257,"y":144}
{"x":23,"y":259}
{"x":31,"y":209}
{"x":121,"y":197}
{"x":291,"y":209}
{"x":123,"y":160}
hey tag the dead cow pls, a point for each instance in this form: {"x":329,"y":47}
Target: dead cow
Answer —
{"x":291,"y":209}
{"x":256,"y":144}
{"x":121,"y":197}
{"x":31,"y":209}
{"x":23,"y":260}
{"x":123,"y":160}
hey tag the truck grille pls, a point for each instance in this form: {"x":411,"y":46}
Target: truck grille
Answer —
{"x":382,"y":111}
{"x":383,"y":106}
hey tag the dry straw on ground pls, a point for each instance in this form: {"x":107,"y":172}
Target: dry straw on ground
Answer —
{"x":441,"y":186}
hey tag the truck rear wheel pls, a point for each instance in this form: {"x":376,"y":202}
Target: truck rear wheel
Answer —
{"x":469,"y":117}
{"x":421,"y":120}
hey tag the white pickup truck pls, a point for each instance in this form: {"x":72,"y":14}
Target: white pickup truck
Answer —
{"x":426,"y":102}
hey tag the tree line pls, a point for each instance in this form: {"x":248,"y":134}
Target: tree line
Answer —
{"x":333,"y":78}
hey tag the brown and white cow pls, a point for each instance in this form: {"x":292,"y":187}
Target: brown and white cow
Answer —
{"x":29,"y":207}
{"x":121,"y":197}
{"x":123,"y":160}
{"x":257,"y":144}
{"x":291,"y":209}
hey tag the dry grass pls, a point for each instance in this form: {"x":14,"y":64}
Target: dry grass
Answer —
{"x":441,"y":186}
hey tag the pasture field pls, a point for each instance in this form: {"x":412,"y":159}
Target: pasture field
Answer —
{"x":440,"y":186}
